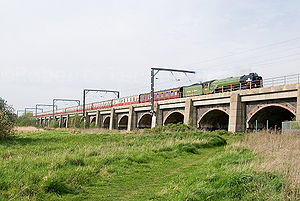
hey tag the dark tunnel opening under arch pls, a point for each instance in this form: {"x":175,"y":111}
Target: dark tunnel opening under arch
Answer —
{"x":145,"y":121}
{"x":174,"y":118}
{"x":270,"y":117}
{"x":123,"y":123}
{"x":106,"y":123}
{"x":214,"y":120}
{"x":64,"y":123}
{"x":93,"y":120}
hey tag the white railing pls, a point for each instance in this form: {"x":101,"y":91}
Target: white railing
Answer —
{"x":282,"y":80}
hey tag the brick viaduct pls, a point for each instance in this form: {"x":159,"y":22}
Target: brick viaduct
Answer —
{"x":235,"y":111}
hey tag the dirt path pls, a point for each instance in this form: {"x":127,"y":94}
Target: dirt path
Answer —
{"x":27,"y":129}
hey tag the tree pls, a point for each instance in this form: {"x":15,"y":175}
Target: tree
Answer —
{"x":26,"y":120}
{"x":7,"y":120}
{"x":8,"y":110}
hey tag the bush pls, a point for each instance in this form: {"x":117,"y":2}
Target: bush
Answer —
{"x":54,"y":124}
{"x":93,"y":125}
{"x":172,"y":128}
{"x":75,"y":123}
{"x":8,"y":110}
{"x":7,"y":120}
{"x":6,"y":126}
{"x":222,"y":132}
{"x":26,"y":120}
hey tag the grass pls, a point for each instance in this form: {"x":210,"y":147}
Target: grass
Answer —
{"x":178,"y":166}
{"x":280,"y":154}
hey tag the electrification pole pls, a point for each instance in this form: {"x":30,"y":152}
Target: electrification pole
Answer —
{"x":154,"y":72}
{"x":29,"y":108}
{"x":42,"y":105}
{"x":20,"y":111}
{"x":63,"y":100}
{"x":86,"y":91}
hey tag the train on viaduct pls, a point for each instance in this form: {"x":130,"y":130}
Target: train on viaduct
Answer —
{"x":235,"y":110}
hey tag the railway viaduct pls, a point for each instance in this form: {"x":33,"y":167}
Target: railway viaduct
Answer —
{"x":236,"y":111}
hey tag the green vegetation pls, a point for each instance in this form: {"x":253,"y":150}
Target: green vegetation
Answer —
{"x":172,"y":128}
{"x":7,"y":120}
{"x":75,"y":121}
{"x":7,"y":110}
{"x":6,"y":126}
{"x":26,"y":120}
{"x":181,"y":166}
{"x":54,"y":124}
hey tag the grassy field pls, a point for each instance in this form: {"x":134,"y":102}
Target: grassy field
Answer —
{"x":181,"y":166}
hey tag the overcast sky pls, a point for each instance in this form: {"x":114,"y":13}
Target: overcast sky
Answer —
{"x":56,"y":48}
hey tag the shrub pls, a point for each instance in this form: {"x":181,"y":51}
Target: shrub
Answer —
{"x":222,"y":132}
{"x":7,"y":119}
{"x":173,"y":128}
{"x":26,"y":120}
{"x":8,"y":110}
{"x":76,"y":121}
{"x":6,"y":126}
{"x":54,"y":124}
{"x":93,"y":125}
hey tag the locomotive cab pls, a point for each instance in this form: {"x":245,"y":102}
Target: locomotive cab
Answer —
{"x":253,"y":80}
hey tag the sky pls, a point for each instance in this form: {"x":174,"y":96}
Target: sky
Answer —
{"x":56,"y":48}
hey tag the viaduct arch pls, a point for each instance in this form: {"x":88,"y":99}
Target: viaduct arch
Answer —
{"x":93,"y":120}
{"x":274,"y":114}
{"x":214,"y":119}
{"x":123,"y":122}
{"x":174,"y":118}
{"x":106,"y":122}
{"x":145,"y":121}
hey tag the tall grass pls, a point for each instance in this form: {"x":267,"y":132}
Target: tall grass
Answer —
{"x":281,"y":154}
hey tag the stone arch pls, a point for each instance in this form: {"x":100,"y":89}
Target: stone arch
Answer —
{"x":214,"y":119}
{"x":93,"y":119}
{"x":271,"y":115}
{"x":81,"y":119}
{"x":64,"y":123}
{"x":46,"y":122}
{"x":145,"y":121}
{"x":42,"y":122}
{"x":174,"y":118}
{"x":106,"y":122}
{"x":123,"y":122}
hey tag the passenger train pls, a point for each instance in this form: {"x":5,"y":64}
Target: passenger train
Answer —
{"x":253,"y":80}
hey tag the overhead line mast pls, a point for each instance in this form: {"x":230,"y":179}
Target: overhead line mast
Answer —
{"x":31,"y":108}
{"x":63,"y":100}
{"x":43,"y":105}
{"x":85,"y":91}
{"x":154,"y":72}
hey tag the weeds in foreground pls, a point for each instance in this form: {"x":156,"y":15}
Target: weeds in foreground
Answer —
{"x":171,"y":128}
{"x":280,"y":154}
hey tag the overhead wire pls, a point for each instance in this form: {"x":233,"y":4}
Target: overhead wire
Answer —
{"x":245,"y":51}
{"x":280,"y":44}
